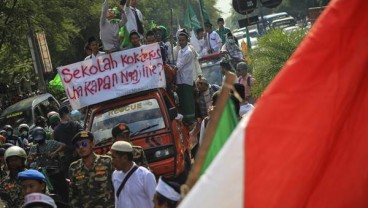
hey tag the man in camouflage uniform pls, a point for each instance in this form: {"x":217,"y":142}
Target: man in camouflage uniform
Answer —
{"x":10,"y":188}
{"x":121,"y":132}
{"x":90,"y":176}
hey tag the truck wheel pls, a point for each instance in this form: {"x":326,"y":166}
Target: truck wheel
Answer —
{"x":184,"y":175}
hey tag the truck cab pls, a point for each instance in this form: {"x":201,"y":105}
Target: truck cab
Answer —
{"x":151,"y":118}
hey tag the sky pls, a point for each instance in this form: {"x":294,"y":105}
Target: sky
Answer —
{"x":224,"y":6}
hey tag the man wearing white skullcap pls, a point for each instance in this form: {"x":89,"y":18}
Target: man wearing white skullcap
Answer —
{"x":167,"y":194}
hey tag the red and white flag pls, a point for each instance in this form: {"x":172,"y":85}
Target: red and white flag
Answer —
{"x":306,"y":143}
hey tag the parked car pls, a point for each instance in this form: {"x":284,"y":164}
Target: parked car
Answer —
{"x":151,"y":118}
{"x":282,"y":23}
{"x":27,"y":110}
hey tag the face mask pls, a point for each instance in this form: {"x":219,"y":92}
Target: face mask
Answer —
{"x":231,"y":40}
{"x":9,"y":133}
{"x":25,"y":133}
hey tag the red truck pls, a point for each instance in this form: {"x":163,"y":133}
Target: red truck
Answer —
{"x":151,"y":117}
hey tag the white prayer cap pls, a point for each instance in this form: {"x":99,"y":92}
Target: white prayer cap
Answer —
{"x":38,"y":198}
{"x":167,"y":190}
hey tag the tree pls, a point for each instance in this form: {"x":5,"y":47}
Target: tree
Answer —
{"x":273,"y":50}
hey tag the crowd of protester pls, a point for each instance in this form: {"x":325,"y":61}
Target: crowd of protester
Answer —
{"x":54,"y":164}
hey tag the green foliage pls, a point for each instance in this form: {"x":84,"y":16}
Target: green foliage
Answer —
{"x":273,"y":50}
{"x":67,"y":25}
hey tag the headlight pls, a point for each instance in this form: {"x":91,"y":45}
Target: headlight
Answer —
{"x":164,"y":152}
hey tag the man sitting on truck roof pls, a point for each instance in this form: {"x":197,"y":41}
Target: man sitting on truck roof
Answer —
{"x":121,"y":132}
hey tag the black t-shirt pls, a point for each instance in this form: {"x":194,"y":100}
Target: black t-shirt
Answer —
{"x":65,"y":132}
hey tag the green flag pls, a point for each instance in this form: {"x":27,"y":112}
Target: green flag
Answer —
{"x":56,"y":85}
{"x":226,"y":125}
{"x":190,"y":20}
{"x":206,"y":17}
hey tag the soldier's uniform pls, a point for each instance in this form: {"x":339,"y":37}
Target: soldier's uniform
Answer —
{"x":139,"y":157}
{"x":93,"y":187}
{"x":13,"y":188}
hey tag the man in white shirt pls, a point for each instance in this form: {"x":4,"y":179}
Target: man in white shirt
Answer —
{"x":215,"y":42}
{"x":93,"y":46}
{"x":134,"y":17}
{"x":134,"y":185}
{"x":184,"y":78}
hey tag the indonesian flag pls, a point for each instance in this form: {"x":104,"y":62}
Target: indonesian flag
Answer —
{"x":306,"y":143}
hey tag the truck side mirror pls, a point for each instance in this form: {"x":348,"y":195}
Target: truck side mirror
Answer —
{"x":173,"y":112}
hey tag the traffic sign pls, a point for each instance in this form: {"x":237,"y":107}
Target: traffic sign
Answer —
{"x":248,"y":21}
{"x":244,"y":6}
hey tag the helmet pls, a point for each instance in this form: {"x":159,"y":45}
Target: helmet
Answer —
{"x":8,"y":127}
{"x":23,"y":126}
{"x":38,"y":134}
{"x":51,"y":113}
{"x":76,"y":113}
{"x":15,"y":151}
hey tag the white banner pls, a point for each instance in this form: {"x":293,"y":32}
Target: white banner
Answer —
{"x":113,"y":75}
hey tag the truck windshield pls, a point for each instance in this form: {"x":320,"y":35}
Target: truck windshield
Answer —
{"x":141,"y":117}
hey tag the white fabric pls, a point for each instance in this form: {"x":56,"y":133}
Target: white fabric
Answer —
{"x":167,"y":191}
{"x":222,"y":183}
{"x":215,"y":41}
{"x":185,"y":65}
{"x":244,"y":109}
{"x":39,"y":198}
{"x":201,"y":132}
{"x":138,"y":191}
{"x":92,"y":56}
{"x":131,"y":24}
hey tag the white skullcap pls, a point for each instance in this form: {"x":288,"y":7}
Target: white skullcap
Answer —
{"x":39,"y":198}
{"x":167,"y":191}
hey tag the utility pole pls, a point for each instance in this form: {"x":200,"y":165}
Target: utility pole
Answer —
{"x":37,"y":64}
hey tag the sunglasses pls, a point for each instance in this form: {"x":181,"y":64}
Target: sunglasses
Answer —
{"x":81,"y":144}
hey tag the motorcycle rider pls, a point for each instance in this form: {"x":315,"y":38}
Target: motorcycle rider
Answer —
{"x":24,"y":135}
{"x":45,"y":154}
{"x":10,"y":137}
{"x":15,"y":158}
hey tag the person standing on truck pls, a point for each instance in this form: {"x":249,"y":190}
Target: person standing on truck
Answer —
{"x":222,"y":30}
{"x":94,"y":46}
{"x":184,"y":78}
{"x":214,"y":40}
{"x":134,"y":185}
{"x":64,"y":133}
{"x":110,"y":22}
{"x":121,"y":132}
{"x":90,"y":176}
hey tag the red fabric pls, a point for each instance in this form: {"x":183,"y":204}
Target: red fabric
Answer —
{"x":307,"y":140}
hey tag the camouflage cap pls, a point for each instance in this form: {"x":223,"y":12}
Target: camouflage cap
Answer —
{"x":120,"y":128}
{"x":82,"y":135}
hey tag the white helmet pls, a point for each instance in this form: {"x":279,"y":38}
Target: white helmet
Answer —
{"x":15,"y":151}
{"x":23,"y":126}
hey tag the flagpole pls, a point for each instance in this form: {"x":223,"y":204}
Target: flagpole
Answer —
{"x":195,"y":171}
{"x":202,"y":19}
{"x":171,"y":35}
